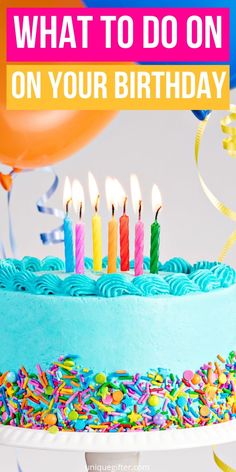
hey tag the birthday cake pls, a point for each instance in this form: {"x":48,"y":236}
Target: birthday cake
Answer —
{"x":114,"y":352}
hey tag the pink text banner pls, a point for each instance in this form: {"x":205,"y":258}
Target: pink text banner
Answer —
{"x":163,"y":35}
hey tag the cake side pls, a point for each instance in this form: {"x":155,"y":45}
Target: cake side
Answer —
{"x":114,"y":352}
{"x":126,"y":332}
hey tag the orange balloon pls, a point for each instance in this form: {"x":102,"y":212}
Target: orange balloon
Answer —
{"x":30,"y":139}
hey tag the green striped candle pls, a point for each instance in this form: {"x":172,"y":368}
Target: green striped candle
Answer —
{"x":155,"y":231}
{"x":155,"y":245}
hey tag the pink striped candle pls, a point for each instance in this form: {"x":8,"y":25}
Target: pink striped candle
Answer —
{"x":78,"y":202}
{"x":79,"y":247}
{"x":139,"y":246}
{"x":139,"y":227}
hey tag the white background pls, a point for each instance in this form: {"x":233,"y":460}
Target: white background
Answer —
{"x":159,"y":147}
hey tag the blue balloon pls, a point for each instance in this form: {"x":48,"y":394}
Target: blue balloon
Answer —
{"x":231,"y":4}
{"x":201,"y":114}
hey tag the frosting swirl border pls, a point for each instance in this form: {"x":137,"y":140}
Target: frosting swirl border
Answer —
{"x":182,"y":279}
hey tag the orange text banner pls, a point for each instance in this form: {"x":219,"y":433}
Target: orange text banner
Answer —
{"x":117,"y":87}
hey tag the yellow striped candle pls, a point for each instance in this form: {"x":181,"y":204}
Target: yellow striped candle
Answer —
{"x":97,"y":242}
{"x":96,"y":225}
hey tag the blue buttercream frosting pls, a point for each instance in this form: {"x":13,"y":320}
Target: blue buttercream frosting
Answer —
{"x":177,"y":265}
{"x":52,"y":263}
{"x":24,"y":282}
{"x":181,"y":279}
{"x":7,"y":273}
{"x":47,"y":284}
{"x":32,"y":264}
{"x":79,"y":286}
{"x":115,"y":285}
{"x":205,"y":265}
{"x":88,"y":263}
{"x":181,"y":284}
{"x":151,"y":285}
{"x":224,"y":273}
{"x":205,"y":279}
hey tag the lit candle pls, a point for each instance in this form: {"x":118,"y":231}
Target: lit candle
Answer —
{"x":155,"y":231}
{"x":124,"y":230}
{"x":112,"y":225}
{"x":96,"y":225}
{"x":78,"y":201}
{"x":68,"y":229}
{"x":139,"y":227}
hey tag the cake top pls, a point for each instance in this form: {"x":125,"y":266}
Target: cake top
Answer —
{"x":176,"y":277}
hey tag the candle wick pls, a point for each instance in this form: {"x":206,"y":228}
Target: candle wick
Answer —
{"x":113,"y":210}
{"x":157,"y":213}
{"x":140,"y":209}
{"x":80,"y":210}
{"x":67,"y":205}
{"x":96,"y":203}
{"x":124,"y":207}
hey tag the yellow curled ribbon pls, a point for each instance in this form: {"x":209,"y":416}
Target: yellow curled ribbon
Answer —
{"x":221,"y":464}
{"x":229,"y":144}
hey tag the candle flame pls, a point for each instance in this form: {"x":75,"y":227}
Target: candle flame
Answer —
{"x":78,"y":197}
{"x":112,"y":193}
{"x":135,"y":193}
{"x":121,"y":195}
{"x":67,"y":195}
{"x":93,"y":191}
{"x":156,"y":199}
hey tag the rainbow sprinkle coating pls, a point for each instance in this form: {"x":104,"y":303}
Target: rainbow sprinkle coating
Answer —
{"x":70,"y":398}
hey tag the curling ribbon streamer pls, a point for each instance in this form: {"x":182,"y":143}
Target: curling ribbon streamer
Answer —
{"x":221,"y":207}
{"x":53,"y":237}
{"x":221,"y":464}
{"x":10,"y":226}
{"x":229,"y":143}
{"x":2,"y":250}
{"x":12,"y":239}
{"x":56,"y":235}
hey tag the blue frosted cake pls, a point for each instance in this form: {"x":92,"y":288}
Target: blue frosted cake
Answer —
{"x":114,"y":352}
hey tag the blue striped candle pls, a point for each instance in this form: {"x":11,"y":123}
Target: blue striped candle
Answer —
{"x":69,"y":245}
